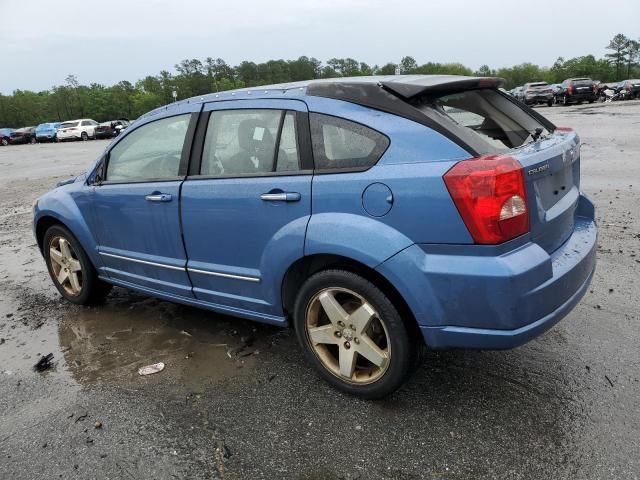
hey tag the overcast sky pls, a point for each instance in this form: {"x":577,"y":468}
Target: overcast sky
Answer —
{"x":111,"y":40}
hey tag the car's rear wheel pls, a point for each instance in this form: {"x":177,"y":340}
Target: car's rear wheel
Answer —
{"x":84,"y":136}
{"x":4,"y":142}
{"x":353,"y":334}
{"x":33,"y":140}
{"x":70,"y":269}
{"x":565,"y":100}
{"x":549,"y":103}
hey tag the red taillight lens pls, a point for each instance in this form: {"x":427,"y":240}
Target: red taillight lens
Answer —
{"x":570,"y":89}
{"x":490,"y":195}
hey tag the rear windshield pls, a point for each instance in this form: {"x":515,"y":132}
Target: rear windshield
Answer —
{"x":486,"y":114}
{"x":69,"y":124}
{"x":582,"y":81}
{"x":539,"y":84}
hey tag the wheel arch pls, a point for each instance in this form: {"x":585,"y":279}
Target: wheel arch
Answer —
{"x":307,"y":266}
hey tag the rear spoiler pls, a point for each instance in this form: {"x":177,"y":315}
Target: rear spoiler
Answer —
{"x":411,"y":86}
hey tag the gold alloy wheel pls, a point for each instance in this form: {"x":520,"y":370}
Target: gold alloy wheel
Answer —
{"x":65,"y":265}
{"x":348,"y":336}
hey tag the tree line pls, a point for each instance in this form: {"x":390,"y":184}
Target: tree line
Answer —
{"x":195,"y":77}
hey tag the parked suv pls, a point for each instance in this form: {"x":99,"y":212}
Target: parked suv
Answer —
{"x":111,"y":129}
{"x":82,"y":129}
{"x":374,"y":215}
{"x":538,"y":93}
{"x":47,"y":132}
{"x":576,"y":90}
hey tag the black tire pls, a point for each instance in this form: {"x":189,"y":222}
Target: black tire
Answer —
{"x":405,"y":352}
{"x":565,"y":100}
{"x":550,"y":103}
{"x":33,"y":140}
{"x":93,"y":289}
{"x":84,"y":137}
{"x":4,"y":142}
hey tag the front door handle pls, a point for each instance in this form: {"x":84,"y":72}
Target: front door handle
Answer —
{"x":281,"y":197}
{"x":158,"y":197}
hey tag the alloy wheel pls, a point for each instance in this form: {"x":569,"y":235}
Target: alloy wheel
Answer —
{"x":65,"y":265}
{"x":347,"y":335}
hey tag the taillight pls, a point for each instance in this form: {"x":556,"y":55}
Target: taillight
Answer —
{"x":489,"y":192}
{"x":563,"y":129}
{"x":570,"y":89}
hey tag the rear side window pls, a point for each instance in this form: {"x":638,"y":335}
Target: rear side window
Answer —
{"x":250,"y":142}
{"x":497,"y":122}
{"x":342,"y":144}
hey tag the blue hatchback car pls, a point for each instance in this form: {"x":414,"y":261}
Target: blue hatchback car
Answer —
{"x":46,"y":132}
{"x":374,"y":215}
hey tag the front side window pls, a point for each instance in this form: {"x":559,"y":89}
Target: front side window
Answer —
{"x":342,"y":144}
{"x":150,"y":152}
{"x":250,"y":142}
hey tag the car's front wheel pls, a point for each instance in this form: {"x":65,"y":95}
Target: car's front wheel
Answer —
{"x":70,"y":268}
{"x":33,"y":140}
{"x":4,"y":142}
{"x":353,"y":334}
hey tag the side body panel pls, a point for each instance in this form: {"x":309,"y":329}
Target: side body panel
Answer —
{"x":420,"y":208}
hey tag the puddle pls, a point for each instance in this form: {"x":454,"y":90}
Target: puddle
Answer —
{"x":109,"y":343}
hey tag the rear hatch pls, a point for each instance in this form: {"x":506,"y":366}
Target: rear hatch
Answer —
{"x":490,"y":123}
{"x":582,"y":85}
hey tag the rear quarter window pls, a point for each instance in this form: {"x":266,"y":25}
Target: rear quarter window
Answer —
{"x":340,"y":144}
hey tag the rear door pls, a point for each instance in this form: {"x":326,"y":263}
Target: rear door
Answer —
{"x":247,"y":202}
{"x":136,"y":206}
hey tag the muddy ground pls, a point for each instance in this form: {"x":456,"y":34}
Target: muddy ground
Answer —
{"x":237,"y":401}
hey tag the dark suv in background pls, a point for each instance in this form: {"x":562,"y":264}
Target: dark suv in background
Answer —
{"x":576,"y":90}
{"x":537,"y":92}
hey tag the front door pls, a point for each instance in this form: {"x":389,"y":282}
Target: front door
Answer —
{"x":246,"y":203}
{"x":137,"y":207}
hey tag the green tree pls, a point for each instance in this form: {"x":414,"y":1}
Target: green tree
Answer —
{"x":618,"y":46}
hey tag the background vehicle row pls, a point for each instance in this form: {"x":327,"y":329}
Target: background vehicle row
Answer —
{"x":81,"y":129}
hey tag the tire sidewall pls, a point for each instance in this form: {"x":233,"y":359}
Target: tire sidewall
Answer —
{"x":403,"y":350}
{"x":89,"y":277}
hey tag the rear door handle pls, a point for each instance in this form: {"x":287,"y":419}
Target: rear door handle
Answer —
{"x":281,"y":197}
{"x":158,"y":197}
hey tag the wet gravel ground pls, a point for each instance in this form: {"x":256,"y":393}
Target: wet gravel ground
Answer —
{"x":237,"y":401}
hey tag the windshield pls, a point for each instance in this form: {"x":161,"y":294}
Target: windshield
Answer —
{"x":494,"y":119}
{"x":69,"y":124}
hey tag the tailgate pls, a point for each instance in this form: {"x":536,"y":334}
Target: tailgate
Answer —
{"x":552,"y":175}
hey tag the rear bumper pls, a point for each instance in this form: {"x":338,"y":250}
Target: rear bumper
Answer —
{"x":543,"y":98}
{"x":43,"y":137}
{"x":495,"y":339}
{"x":576,"y":97}
{"x":496,"y":297}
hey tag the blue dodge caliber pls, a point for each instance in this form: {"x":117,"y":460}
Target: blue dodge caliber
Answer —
{"x":373,"y":214}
